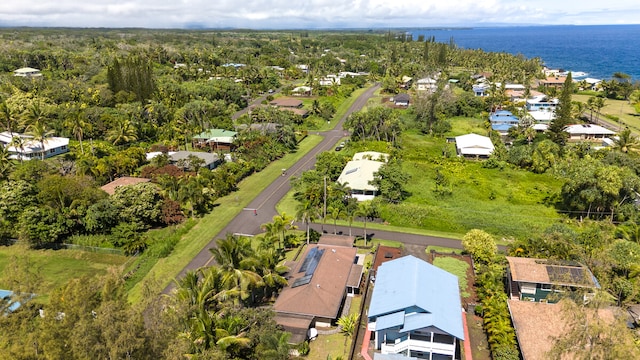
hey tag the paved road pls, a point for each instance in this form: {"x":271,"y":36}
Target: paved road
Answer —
{"x":262,"y":209}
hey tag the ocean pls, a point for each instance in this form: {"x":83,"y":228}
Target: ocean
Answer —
{"x":598,"y":50}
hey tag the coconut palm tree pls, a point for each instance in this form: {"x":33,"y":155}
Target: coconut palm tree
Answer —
{"x":77,"y":124}
{"x":625,"y":141}
{"x":123,"y":132}
{"x":6,"y":164}
{"x":281,"y":224}
{"x":235,"y":257}
{"x":39,"y":131}
{"x":364,"y":209}
{"x":307,"y":213}
{"x":17,"y":142}
{"x":335,"y":213}
{"x":8,"y":117}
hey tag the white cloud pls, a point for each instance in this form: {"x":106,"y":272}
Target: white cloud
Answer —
{"x":313,"y":13}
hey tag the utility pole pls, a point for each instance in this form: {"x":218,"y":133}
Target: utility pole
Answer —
{"x":324,"y":206}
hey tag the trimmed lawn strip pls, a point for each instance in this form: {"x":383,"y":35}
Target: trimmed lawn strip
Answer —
{"x":456,"y":267}
{"x":166,"y":269}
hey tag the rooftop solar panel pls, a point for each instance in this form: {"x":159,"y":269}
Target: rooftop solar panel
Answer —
{"x":302,"y":281}
{"x":567,"y":275}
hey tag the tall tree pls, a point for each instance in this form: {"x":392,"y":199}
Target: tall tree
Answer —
{"x":9,"y":117}
{"x":563,"y":114}
{"x":39,"y":132}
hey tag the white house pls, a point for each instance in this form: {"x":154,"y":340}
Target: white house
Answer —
{"x":474,"y":145}
{"x":359,"y":172}
{"x":427,"y":84}
{"x":33,"y":149}
{"x":415,"y":310}
{"x":587,"y":132}
{"x":594,"y":84}
{"x":329,"y":80}
{"x":542,"y":116}
{"x":27,"y":72}
{"x":541,"y":102}
{"x":481,"y":89}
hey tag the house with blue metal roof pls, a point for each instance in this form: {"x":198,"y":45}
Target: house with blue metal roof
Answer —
{"x":503,"y":120}
{"x":415,"y":310}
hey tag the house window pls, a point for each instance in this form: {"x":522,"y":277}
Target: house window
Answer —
{"x":443,"y":339}
{"x":63,"y":147}
{"x":545,"y":287}
{"x":52,"y":151}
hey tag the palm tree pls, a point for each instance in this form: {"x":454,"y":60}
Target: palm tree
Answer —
{"x":38,"y":130}
{"x":271,"y":268}
{"x":281,"y":224}
{"x":625,"y":141}
{"x":235,"y":256}
{"x":8,"y":117}
{"x":199,"y":291}
{"x":123,"y":132}
{"x":335,"y":212}
{"x":595,"y":103}
{"x":364,"y":209}
{"x":5,"y":163}
{"x":35,"y":114}
{"x":306,"y":213}
{"x":76,"y":122}
{"x":17,"y":142}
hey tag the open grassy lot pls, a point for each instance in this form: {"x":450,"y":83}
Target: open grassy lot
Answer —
{"x":56,"y":267}
{"x":507,"y":202}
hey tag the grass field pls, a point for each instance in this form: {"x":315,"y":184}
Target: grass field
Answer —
{"x":56,"y":267}
{"x":508,"y":202}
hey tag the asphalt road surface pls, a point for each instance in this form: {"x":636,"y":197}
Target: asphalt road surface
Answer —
{"x":262,"y":209}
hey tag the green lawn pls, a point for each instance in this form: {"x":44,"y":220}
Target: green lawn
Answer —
{"x":56,"y":267}
{"x":166,"y":269}
{"x":335,"y":345}
{"x":456,"y":267}
{"x":509,"y":202}
{"x":618,"y":108}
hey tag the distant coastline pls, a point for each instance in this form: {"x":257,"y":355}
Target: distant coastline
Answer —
{"x":598,"y":50}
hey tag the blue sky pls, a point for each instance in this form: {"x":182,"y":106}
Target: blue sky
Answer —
{"x":310,"y":14}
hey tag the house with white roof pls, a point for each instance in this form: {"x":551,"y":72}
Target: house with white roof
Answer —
{"x":329,"y":80}
{"x":27,"y":72}
{"x":588,"y":132}
{"x":427,"y":84}
{"x":415,"y":310}
{"x":541,"y":102}
{"x":31,"y":148}
{"x":474,"y":146}
{"x":359,"y":172}
{"x":542,"y":116}
{"x":594,"y":84}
